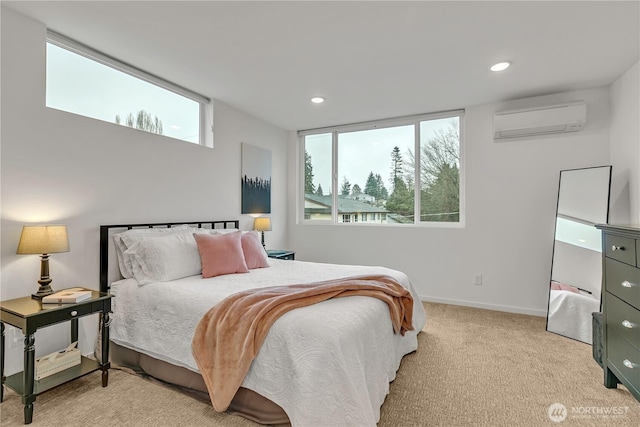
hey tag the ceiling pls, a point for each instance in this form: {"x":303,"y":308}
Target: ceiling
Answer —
{"x":370,"y":60}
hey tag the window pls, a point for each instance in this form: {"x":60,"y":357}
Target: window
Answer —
{"x":85,"y":82}
{"x":398,"y":171}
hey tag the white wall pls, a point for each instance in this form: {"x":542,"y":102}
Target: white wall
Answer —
{"x":625,"y":147}
{"x":511,"y":191}
{"x":57,"y":167}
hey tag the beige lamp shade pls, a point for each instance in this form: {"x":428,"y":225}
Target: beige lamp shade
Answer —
{"x":43,"y":239}
{"x":262,"y":224}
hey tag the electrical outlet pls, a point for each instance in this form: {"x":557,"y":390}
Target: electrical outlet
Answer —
{"x":477,"y":279}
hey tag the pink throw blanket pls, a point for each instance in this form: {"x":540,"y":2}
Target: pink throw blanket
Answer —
{"x":229,"y":336}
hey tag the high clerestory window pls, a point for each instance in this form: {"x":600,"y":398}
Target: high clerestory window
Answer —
{"x":83,"y":81}
{"x":398,"y":171}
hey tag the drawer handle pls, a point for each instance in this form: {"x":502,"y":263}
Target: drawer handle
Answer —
{"x":627,"y":324}
{"x":74,"y":313}
{"x":628,"y":363}
{"x":617,"y":248}
{"x":626,"y":284}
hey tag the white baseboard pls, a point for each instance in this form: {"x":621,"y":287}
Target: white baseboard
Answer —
{"x":506,"y":308}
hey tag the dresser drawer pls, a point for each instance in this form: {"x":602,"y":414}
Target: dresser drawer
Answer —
{"x":623,"y":281}
{"x":624,"y":318}
{"x":623,"y":357}
{"x":620,"y":248}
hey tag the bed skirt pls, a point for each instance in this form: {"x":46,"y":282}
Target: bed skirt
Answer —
{"x":246,"y":403}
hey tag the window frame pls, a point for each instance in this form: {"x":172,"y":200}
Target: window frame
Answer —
{"x":78,"y":48}
{"x":381,"y":124}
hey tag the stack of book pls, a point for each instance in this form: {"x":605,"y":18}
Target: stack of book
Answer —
{"x":67,"y":296}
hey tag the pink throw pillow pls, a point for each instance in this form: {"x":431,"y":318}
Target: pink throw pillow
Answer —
{"x":254,"y":254}
{"x":221,"y":254}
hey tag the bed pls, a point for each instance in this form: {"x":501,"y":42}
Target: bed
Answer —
{"x":341,"y":353}
{"x":570,"y":312}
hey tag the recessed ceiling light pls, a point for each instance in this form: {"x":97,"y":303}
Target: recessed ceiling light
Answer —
{"x":317,"y":100}
{"x":500,"y":66}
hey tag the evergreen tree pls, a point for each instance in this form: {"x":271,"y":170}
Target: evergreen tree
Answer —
{"x":396,"y":165}
{"x":319,"y":191}
{"x":345,"y":189}
{"x":401,"y":199}
{"x":355,"y":190}
{"x":442,"y":197}
{"x":383,"y":194}
{"x":309,"y":187}
{"x":371,"y":186}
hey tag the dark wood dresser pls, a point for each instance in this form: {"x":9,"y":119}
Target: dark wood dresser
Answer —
{"x":621,"y":306}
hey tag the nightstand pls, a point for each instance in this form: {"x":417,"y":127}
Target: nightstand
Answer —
{"x":281,"y":254}
{"x":28,"y":315}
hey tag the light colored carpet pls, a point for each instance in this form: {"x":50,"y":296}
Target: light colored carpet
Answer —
{"x":473,"y":368}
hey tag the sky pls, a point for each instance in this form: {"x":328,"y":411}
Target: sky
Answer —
{"x":362,"y":152}
{"x":80,"y":85}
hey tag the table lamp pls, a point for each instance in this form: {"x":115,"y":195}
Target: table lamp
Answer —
{"x":262,"y":224}
{"x":43,"y":240}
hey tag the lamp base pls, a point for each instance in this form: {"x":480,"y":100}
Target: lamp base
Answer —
{"x":45,"y":279}
{"x":41,"y":294}
{"x":43,"y":291}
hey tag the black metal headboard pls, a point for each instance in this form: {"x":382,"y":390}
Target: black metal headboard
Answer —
{"x":104,"y":240}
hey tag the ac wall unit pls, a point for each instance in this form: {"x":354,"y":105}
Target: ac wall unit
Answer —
{"x":568,"y":117}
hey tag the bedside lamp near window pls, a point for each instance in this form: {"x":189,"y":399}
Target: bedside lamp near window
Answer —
{"x":43,"y":240}
{"x":262,"y":224}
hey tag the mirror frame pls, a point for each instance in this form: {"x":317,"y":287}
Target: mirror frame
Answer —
{"x":553,"y":250}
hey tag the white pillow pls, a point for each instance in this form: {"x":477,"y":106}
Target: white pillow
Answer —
{"x":124,"y":261}
{"x":163,"y":258}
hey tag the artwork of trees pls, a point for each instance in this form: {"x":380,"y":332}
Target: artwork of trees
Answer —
{"x":256,"y":180}
{"x":256,"y":195}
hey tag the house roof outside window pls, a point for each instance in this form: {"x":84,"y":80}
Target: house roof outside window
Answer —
{"x":345,"y":205}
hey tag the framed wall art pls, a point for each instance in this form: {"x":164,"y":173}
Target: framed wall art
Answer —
{"x":256,"y":180}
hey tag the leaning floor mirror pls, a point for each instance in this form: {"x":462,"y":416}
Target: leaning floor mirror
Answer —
{"x":576,"y":269}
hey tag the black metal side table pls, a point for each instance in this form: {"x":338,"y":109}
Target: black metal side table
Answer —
{"x":28,"y":315}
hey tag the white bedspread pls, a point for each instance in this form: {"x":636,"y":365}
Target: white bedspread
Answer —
{"x":570,"y":314}
{"x":328,"y":364}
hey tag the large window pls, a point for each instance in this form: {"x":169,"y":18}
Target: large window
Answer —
{"x":401,"y":171}
{"x":85,"y":82}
